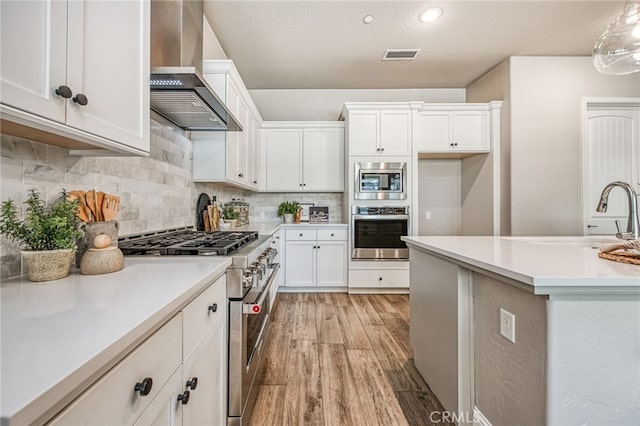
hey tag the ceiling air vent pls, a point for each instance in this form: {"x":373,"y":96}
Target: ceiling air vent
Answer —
{"x":400,"y":54}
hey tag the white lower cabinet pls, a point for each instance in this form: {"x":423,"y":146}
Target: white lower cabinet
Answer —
{"x":174,"y":377}
{"x":316,"y":257}
{"x":379,"y":278}
{"x":165,"y":408}
{"x":127,"y":389}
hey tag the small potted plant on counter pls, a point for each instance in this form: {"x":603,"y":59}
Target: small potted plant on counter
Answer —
{"x":49,"y":236}
{"x":287,"y":209}
{"x":230,"y":216}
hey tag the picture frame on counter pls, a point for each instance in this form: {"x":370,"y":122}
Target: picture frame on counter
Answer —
{"x":318,"y":214}
{"x":304,"y":216}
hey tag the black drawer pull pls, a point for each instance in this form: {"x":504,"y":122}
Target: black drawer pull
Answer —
{"x":193,"y":383}
{"x":144,"y":387}
{"x":184,"y":397}
{"x":80,"y":99}
{"x":213,"y":307}
{"x":64,"y":91}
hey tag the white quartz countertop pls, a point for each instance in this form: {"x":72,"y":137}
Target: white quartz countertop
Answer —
{"x":270,"y":228}
{"x":58,"y":336}
{"x":550,"y":265}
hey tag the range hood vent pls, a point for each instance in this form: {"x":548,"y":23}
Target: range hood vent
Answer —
{"x":178,"y":91}
{"x":180,"y":95}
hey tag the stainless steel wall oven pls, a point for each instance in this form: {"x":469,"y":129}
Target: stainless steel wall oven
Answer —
{"x":377,"y":233}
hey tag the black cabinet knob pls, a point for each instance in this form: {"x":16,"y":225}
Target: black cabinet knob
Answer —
{"x":184,"y":397}
{"x":304,"y":184}
{"x":144,"y":387}
{"x":380,"y":279}
{"x":193,"y":383}
{"x":240,"y":175}
{"x":64,"y":91}
{"x":332,"y":235}
{"x":255,"y":182}
{"x":80,"y":99}
{"x":213,"y":307}
{"x":301,"y":235}
{"x":382,"y":149}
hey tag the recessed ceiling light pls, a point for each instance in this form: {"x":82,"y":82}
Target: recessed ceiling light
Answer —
{"x":431,"y":14}
{"x":367,"y":19}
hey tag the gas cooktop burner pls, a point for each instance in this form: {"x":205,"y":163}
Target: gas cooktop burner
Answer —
{"x":185,"y":242}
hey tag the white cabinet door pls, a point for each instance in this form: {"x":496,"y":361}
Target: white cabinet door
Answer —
{"x":323,"y":160}
{"x":109,"y":65}
{"x":331,"y":257}
{"x":611,"y":153}
{"x":254,"y":157}
{"x":165,"y":409}
{"x":105,"y":67}
{"x":452,"y":131}
{"x":300,"y":264}
{"x":432,"y":131}
{"x":284,"y":156}
{"x":206,"y":405}
{"x":241,"y":172}
{"x":395,"y":132}
{"x":34,"y":56}
{"x":471,"y":130}
{"x":364,"y":135}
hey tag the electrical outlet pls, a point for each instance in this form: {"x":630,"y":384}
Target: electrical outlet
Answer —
{"x":427,"y":215}
{"x":508,"y":325}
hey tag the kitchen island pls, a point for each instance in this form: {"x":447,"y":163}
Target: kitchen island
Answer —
{"x":59,"y":337}
{"x":569,"y":355}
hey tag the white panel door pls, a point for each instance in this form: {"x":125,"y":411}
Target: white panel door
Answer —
{"x":433,"y":131}
{"x":283,"y":155}
{"x":34,"y":56}
{"x":323,"y":160}
{"x":242,"y":169}
{"x":301,"y":264}
{"x":471,"y":131}
{"x":611,"y":153}
{"x":108,"y":62}
{"x":395,"y":132}
{"x":364,"y":133}
{"x":331,"y":263}
{"x":255,"y":156}
{"x":206,"y":404}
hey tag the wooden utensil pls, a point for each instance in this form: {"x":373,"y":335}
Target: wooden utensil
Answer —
{"x":110,"y":207}
{"x":99,"y":201}
{"x":86,"y":213}
{"x":90,"y":196}
{"x":81,"y":213}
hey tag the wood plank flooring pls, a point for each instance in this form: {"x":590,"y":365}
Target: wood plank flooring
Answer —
{"x":337,"y":359}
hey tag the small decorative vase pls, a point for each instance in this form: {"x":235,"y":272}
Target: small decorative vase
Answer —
{"x":288,"y":218}
{"x":48,"y":265}
{"x":92,"y":230}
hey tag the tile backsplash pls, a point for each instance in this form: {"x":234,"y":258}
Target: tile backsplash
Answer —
{"x":156,"y":192}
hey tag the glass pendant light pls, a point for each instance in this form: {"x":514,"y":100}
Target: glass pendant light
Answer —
{"x":617,"y":51}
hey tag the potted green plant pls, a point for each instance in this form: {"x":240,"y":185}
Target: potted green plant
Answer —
{"x":230,"y":215}
{"x":287,"y":209}
{"x":48,"y":236}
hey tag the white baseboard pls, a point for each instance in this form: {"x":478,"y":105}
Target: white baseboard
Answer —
{"x":283,"y":289}
{"x":479,"y":419}
{"x":376,"y":290}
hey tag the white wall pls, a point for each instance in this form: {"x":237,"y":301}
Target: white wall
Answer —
{"x":326,"y":104}
{"x":211,"y":47}
{"x":439,"y":193}
{"x":494,"y":86}
{"x":546,"y":145}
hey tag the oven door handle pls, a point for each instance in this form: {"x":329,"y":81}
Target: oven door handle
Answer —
{"x":379,"y":216}
{"x":256,"y":307}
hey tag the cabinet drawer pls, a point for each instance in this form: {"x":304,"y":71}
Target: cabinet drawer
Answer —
{"x":332,"y":234}
{"x":379,"y":278}
{"x":204,"y":311}
{"x":112,"y":400}
{"x":301,"y":235}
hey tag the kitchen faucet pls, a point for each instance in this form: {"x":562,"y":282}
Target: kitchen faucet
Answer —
{"x":633,"y":227}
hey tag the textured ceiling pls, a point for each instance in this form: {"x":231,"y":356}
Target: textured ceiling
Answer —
{"x":325,"y":44}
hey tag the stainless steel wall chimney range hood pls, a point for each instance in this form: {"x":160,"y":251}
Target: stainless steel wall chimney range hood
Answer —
{"x":179,"y":93}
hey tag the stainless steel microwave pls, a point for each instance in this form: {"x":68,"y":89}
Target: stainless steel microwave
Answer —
{"x":380,"y":181}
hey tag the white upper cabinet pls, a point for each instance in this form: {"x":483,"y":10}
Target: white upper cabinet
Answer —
{"x":229,"y":156}
{"x":69,"y":71}
{"x":453,"y":128}
{"x":376,"y":130}
{"x":304,"y":156}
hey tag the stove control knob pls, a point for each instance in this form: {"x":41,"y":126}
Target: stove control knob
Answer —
{"x":247,"y":280}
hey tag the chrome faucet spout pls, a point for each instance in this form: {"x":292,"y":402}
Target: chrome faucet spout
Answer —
{"x":633,"y":223}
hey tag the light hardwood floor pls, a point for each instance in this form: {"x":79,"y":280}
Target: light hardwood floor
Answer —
{"x":338,"y":359}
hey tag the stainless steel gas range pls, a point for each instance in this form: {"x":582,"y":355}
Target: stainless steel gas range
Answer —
{"x":250,"y":282}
